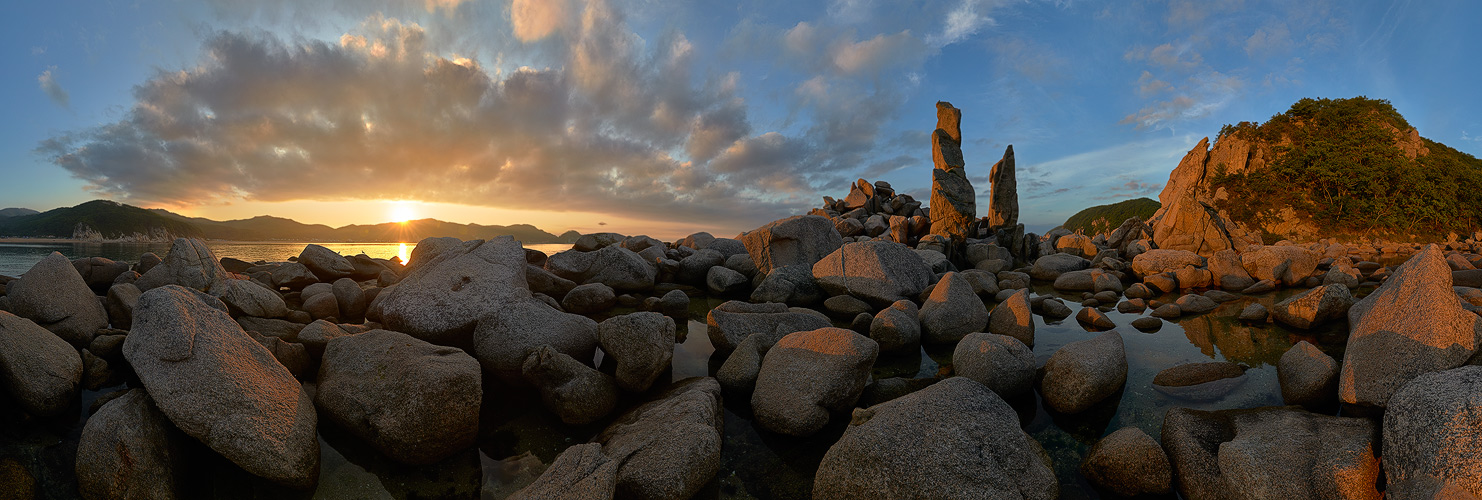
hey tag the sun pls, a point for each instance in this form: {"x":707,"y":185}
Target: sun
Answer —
{"x":402,"y":211}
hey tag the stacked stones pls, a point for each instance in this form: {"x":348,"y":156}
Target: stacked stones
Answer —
{"x":875,"y":210}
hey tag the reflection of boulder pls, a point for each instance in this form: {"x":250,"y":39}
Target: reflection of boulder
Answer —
{"x":1235,"y":341}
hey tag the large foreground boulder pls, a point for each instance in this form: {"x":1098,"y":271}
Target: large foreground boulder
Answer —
{"x":511,"y":331}
{"x":1433,"y":427}
{"x":1273,"y":452}
{"x":796,"y":240}
{"x":878,"y":272}
{"x":54,"y":296}
{"x":1412,"y":324}
{"x":1084,"y":373}
{"x":129,"y":450}
{"x":37,"y":368}
{"x":582,"y":472}
{"x":442,"y":300}
{"x":414,"y":401}
{"x":809,"y":374}
{"x":672,"y":443}
{"x":189,"y":264}
{"x":1128,"y":462}
{"x":953,"y":439}
{"x":223,"y":388}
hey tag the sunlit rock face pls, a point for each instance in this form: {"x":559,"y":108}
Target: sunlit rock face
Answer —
{"x":953,"y":202}
{"x":797,"y":240}
{"x":1411,"y":325}
{"x":1431,"y":428}
{"x":1003,"y":208}
{"x":1188,"y":219}
{"x":223,"y":388}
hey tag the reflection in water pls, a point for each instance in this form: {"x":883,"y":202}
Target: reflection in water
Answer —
{"x":402,"y":253}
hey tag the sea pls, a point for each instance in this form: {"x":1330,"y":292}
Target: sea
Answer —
{"x":16,"y":258}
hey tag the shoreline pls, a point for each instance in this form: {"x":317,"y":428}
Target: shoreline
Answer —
{"x":74,"y":241}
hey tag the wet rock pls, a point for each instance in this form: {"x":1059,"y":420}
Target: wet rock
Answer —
{"x":582,"y":472}
{"x":879,"y":272}
{"x":896,"y":328}
{"x":1053,"y":308}
{"x":952,"y":311}
{"x":643,"y":345}
{"x":1412,"y":324}
{"x":1148,"y":325}
{"x":675,"y":304}
{"x":1134,"y":306}
{"x":221,"y":387}
{"x":954,"y":439}
{"x":1094,"y":318}
{"x":1167,"y":311}
{"x":1083,"y":373}
{"x":733,"y":321}
{"x":797,"y":240}
{"x":809,"y":374}
{"x":672,"y":444}
{"x":54,"y":296}
{"x":325,"y":263}
{"x":1314,"y":307}
{"x":1014,"y":317}
{"x":249,"y":299}
{"x":189,"y":264}
{"x":38,"y":369}
{"x":1140,"y":291}
{"x":1273,"y":452}
{"x":414,"y":401}
{"x":999,"y":362}
{"x":1200,"y":381}
{"x":441,"y":300}
{"x":1308,"y":377}
{"x":1254,"y":312}
{"x":129,"y":450}
{"x":1128,"y":462}
{"x":1430,"y":428}
{"x":575,"y":392}
{"x":590,"y":298}
{"x":511,"y":332}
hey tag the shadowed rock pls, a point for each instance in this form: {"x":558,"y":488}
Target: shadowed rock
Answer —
{"x":672,"y":444}
{"x":878,"y":272}
{"x":1128,"y":462}
{"x":1431,"y":429}
{"x":129,"y":450}
{"x":53,"y":295}
{"x":1083,"y":373}
{"x":37,"y":368}
{"x":999,"y":362}
{"x":442,"y":300}
{"x":189,"y":264}
{"x":1003,"y":207}
{"x":809,"y":374}
{"x":509,"y":333}
{"x":797,"y":240}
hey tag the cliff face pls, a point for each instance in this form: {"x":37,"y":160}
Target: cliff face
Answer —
{"x":1188,"y":219}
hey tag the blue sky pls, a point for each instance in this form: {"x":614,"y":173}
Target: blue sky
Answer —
{"x":660,"y":117}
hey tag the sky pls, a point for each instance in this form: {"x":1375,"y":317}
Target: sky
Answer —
{"x":669,"y":117}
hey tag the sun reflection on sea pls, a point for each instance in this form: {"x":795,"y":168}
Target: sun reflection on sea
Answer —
{"x":402,"y":253}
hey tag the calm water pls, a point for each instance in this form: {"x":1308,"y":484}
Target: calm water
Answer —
{"x":518,"y":438}
{"x":16,"y":258}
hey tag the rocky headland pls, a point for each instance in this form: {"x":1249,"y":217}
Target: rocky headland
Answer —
{"x":217,"y":360}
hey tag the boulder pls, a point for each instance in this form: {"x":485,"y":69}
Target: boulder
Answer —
{"x":1288,"y":265}
{"x":316,"y":336}
{"x":129,"y":450}
{"x":1003,"y":208}
{"x":590,"y":298}
{"x":1431,"y":429}
{"x":293,"y":276}
{"x":1128,"y":463}
{"x":1273,"y":452}
{"x":507,"y":335}
{"x":1254,"y":312}
{"x":540,"y":280}
{"x":879,"y":272}
{"x":797,"y":240}
{"x":1412,"y":324}
{"x":1314,"y":307}
{"x":99,"y":272}
{"x":1159,"y":261}
{"x":1090,"y":316}
{"x":322,"y":306}
{"x":809,"y":374}
{"x":443,"y":299}
{"x":245,"y":298}
{"x":54,"y":296}
{"x":120,"y":305}
{"x":1084,"y":373}
{"x":325,"y":263}
{"x":643,"y":345}
{"x":1308,"y":377}
{"x":1088,"y":280}
{"x":612,"y":265}
{"x":1078,"y":245}
{"x":597,"y":241}
{"x":1207,"y":381}
{"x":738,"y":373}
{"x":1196,"y":304}
{"x":351,"y":300}
{"x":791,"y":285}
{"x":582,"y":472}
{"x":672,"y":443}
{"x":189,"y":264}
{"x":223,"y":388}
{"x":951,"y":311}
{"x":693,"y":269}
{"x":896,"y":328}
{"x":675,"y":304}
{"x":1052,"y":266}
{"x":1148,"y":325}
{"x":38,"y":369}
{"x":1228,"y":271}
{"x":415,"y":402}
{"x":999,"y":362}
{"x":575,"y":392}
{"x":953,"y":439}
{"x":953,"y":200}
{"x":1014,"y":317}
{"x":722,"y":281}
{"x":731,"y":322}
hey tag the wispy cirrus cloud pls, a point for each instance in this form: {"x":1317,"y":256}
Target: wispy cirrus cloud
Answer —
{"x":53,"y":90}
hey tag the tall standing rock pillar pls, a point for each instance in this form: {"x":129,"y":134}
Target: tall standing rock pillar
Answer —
{"x":953,"y":201}
{"x":1003,"y":208}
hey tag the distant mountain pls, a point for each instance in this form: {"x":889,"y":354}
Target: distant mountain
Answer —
{"x":1106,"y":218}
{"x":98,"y":220}
{"x":107,"y":220}
{"x":14,"y":212}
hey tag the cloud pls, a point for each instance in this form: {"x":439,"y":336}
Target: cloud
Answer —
{"x":1147,"y":85}
{"x":814,"y":48}
{"x":48,"y":83}
{"x":1200,"y":95}
{"x":851,"y":11}
{"x":619,"y":126}
{"x":1169,"y":56}
{"x":536,"y":19}
{"x":1269,"y":41}
{"x":962,"y":22}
